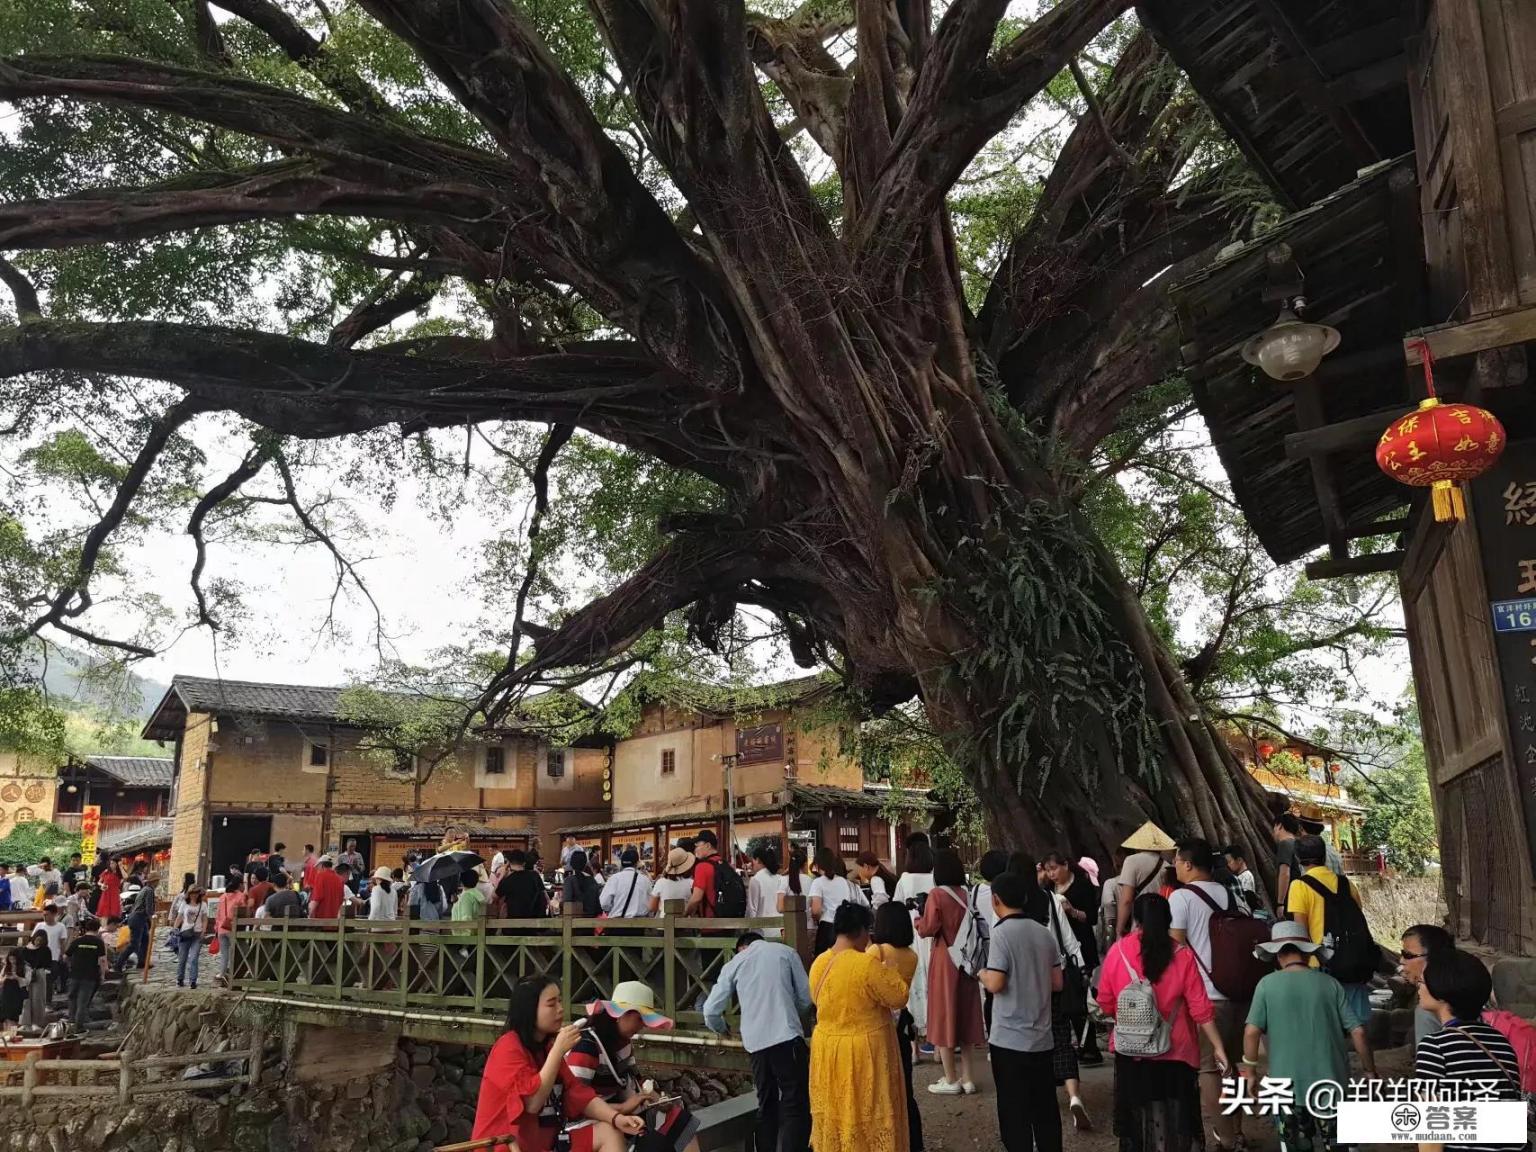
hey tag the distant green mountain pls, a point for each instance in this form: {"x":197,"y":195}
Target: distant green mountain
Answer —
{"x":77,"y":683}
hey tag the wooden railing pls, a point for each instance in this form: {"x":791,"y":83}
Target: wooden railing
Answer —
{"x":468,"y":968}
{"x":70,"y":822}
{"x":125,"y":1080}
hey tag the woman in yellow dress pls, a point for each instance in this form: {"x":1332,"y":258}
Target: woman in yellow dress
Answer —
{"x":858,"y":1102}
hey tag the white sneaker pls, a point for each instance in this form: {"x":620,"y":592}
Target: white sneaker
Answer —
{"x":946,"y":1088}
{"x":1080,"y":1119}
{"x":967,"y":1087}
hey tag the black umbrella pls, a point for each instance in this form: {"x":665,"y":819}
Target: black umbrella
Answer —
{"x":444,"y":866}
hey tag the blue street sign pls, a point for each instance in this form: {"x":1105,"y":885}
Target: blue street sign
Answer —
{"x":1514,"y":615}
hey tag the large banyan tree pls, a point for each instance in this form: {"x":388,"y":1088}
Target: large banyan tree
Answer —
{"x":718,"y":236}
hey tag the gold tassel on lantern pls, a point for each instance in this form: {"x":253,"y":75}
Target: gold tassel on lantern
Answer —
{"x":1447,"y":499}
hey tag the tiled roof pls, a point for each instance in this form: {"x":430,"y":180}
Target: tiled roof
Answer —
{"x":150,"y":834}
{"x":135,"y":771}
{"x":870,"y":800}
{"x":299,"y":702}
{"x":478,"y":831}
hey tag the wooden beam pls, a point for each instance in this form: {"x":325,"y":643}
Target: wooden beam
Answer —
{"x":1448,"y":341}
{"x":1314,"y":91}
{"x":1345,"y":434}
{"x":1355,"y":565}
{"x":1308,"y":400}
{"x":1367,"y":81}
{"x":1390,"y":527}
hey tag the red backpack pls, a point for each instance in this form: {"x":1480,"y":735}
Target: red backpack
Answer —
{"x":1521,"y":1034}
{"x":1234,"y":970}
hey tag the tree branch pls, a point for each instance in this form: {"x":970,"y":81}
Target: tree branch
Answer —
{"x":793,"y":54}
{"x":22,"y":291}
{"x":309,"y":53}
{"x":255,"y":460}
{"x":287,"y":188}
{"x":309,"y":390}
{"x":960,"y":101}
{"x":74,"y":598}
{"x":375,"y":312}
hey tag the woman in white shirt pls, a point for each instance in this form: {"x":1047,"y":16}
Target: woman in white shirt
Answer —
{"x":383,"y":903}
{"x":796,"y":881}
{"x":912,"y":889}
{"x":188,"y":924}
{"x":829,"y":892}
{"x":676,"y":882}
{"x":875,"y":876}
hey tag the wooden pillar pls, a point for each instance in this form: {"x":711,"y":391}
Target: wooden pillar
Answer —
{"x":795,"y":933}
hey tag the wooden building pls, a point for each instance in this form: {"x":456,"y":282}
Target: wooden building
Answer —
{"x":133,"y":793}
{"x":1305,"y":780}
{"x":1403,"y":137}
{"x":872,"y":818}
{"x":774,"y":755}
{"x":258,"y":764}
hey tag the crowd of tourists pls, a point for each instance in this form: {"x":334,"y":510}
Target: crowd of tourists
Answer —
{"x":1171,"y":948}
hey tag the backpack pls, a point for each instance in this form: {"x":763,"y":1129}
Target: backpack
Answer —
{"x":1235,"y":970}
{"x":968,"y":950}
{"x":730,"y":893}
{"x":1355,"y":955}
{"x":1521,"y":1034}
{"x":1140,"y":1028}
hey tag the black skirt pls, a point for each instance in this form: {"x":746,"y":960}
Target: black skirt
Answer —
{"x":11,"y":1000}
{"x":1157,"y":1106}
{"x":826,"y":936}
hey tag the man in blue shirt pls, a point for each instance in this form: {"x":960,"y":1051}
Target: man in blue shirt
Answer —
{"x":770,"y":984}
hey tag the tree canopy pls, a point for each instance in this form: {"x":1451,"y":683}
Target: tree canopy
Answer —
{"x":820,"y":312}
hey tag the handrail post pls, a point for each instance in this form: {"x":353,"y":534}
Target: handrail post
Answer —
{"x":341,"y":954}
{"x":258,"y":1053}
{"x":670,"y":911}
{"x":124,"y":1079}
{"x":282,"y":959}
{"x":795,"y":934}
{"x":567,"y":915}
{"x":29,"y":1078}
{"x":405,"y":964}
{"x":229,"y":960}
{"x":480,"y":965}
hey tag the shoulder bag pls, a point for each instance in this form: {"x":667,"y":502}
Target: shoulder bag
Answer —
{"x":1073,"y":997}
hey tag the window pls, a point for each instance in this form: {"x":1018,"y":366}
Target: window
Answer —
{"x":668,"y":761}
{"x":848,"y":839}
{"x":317,"y":757}
{"x":555,"y":764}
{"x":495,"y":760}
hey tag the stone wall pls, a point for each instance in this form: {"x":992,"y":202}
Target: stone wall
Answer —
{"x":322,"y":1089}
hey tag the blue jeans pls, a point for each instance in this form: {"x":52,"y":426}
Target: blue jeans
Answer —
{"x":138,"y":943}
{"x":187,"y":950}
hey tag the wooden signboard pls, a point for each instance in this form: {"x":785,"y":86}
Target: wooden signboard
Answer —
{"x":1504,"y":504}
{"x":90,"y":828}
{"x":760,"y":745}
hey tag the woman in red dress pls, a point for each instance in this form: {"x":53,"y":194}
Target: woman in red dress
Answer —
{"x":529,"y":1093}
{"x":954,"y":999}
{"x":111,"y":902}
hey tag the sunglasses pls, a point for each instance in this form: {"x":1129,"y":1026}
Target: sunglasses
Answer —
{"x":1412,"y":955}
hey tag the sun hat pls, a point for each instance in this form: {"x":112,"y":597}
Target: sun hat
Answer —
{"x":1286,"y":934}
{"x":1149,"y":838}
{"x":632,"y":996}
{"x":1091,"y":866}
{"x":679,"y":860}
{"x":383,"y":873}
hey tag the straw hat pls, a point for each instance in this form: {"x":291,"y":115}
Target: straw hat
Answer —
{"x":632,"y":996}
{"x":679,"y":860}
{"x":1149,"y":838}
{"x":1286,"y":934}
{"x":382,"y":873}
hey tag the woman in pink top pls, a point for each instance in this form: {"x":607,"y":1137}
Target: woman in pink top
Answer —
{"x":1157,"y":1098}
{"x":230,"y":903}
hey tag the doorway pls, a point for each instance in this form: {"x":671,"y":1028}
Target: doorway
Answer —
{"x":233,"y":838}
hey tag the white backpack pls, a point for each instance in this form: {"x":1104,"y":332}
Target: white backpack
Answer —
{"x":1140,"y":1029}
{"x":968,"y":952}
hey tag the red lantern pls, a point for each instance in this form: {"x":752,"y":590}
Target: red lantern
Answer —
{"x":1266,"y":751}
{"x":1440,"y":446}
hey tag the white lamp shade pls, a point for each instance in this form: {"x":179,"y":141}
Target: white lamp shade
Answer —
{"x":1290,"y":349}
